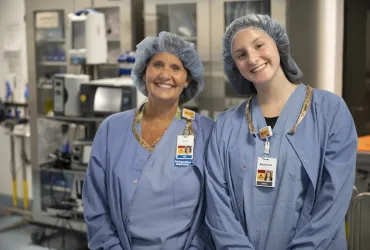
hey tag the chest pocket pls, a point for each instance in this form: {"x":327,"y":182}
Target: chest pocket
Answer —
{"x":186,"y":188}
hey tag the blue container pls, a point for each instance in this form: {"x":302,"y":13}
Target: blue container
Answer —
{"x":126,"y":62}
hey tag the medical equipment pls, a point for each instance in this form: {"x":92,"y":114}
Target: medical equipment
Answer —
{"x":88,"y":37}
{"x":78,"y":183}
{"x":66,"y":89}
{"x":81,"y":150}
{"x":107,"y":96}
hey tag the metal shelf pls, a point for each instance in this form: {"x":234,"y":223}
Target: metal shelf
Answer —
{"x":71,"y":119}
{"x":113,"y":40}
{"x":51,"y":63}
{"x":45,"y":218}
{"x":66,"y":171}
{"x":57,"y":188}
{"x":19,"y":134}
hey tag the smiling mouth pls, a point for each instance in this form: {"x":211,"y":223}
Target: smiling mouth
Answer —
{"x":259,"y":68}
{"x":164,"y":86}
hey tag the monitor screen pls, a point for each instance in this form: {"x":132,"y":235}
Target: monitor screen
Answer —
{"x":108,"y":99}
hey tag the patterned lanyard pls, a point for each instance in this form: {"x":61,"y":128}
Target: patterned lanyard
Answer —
{"x":306,"y":104}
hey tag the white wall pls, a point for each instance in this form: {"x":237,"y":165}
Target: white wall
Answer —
{"x":315,"y":29}
{"x":12,"y":15}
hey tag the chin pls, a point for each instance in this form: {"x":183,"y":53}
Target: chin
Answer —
{"x":164,"y":99}
{"x":263,"y":79}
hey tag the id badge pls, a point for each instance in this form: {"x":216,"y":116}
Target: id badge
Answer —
{"x":266,"y":172}
{"x":184,"y":150}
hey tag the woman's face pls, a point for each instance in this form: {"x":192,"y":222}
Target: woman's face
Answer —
{"x":256,"y":55}
{"x":165,"y":77}
{"x":268,"y":175}
{"x":188,"y":151}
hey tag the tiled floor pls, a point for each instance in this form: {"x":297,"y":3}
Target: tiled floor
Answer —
{"x":20,"y":238}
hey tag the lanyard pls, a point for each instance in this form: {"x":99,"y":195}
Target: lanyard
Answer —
{"x":188,"y":130}
{"x":305,"y":106}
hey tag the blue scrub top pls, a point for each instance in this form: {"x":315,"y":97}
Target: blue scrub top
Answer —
{"x":166,"y":198}
{"x":314,"y":181}
{"x":130,"y":198}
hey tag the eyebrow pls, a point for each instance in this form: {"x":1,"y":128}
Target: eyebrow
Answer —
{"x":171,"y":64}
{"x":242,"y":49}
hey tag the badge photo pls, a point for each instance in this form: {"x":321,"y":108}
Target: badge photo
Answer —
{"x":266,"y":172}
{"x":184,"y":148}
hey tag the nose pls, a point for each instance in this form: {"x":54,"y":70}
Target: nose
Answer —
{"x":165,"y":74}
{"x":253,"y":57}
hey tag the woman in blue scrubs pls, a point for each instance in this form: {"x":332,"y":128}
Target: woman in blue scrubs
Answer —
{"x":142,"y":191}
{"x":304,"y":138}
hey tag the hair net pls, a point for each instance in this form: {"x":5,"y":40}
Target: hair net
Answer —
{"x":263,"y":22}
{"x":185,"y":51}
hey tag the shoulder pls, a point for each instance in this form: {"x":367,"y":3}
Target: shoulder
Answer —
{"x":227,"y":119}
{"x":117,"y":123}
{"x":328,"y":103}
{"x":204,"y":126}
{"x":204,"y":121}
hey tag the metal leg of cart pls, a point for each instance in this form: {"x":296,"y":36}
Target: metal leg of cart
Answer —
{"x":355,"y":220}
{"x":26,"y":215}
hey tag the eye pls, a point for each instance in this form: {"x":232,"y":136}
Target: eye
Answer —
{"x":157,"y":64}
{"x":175,"y":67}
{"x":242,"y":56}
{"x":259,"y":45}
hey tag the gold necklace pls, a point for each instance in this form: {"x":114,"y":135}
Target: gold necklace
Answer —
{"x":306,"y":104}
{"x":155,"y":142}
{"x":146,"y":145}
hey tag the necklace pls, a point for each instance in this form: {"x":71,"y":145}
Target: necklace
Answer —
{"x":148,"y":146}
{"x":155,"y":142}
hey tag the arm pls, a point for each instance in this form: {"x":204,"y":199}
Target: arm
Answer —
{"x":226,"y":230}
{"x":335,"y":189}
{"x":102,"y":233}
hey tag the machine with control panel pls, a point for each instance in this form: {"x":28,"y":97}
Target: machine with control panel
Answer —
{"x":104,"y":97}
{"x":66,"y":89}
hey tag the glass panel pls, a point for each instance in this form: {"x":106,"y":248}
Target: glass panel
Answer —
{"x":180,"y":19}
{"x":50,"y":54}
{"x":234,"y":10}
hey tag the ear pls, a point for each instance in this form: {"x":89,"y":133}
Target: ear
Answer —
{"x":144,"y":77}
{"x":188,"y":80}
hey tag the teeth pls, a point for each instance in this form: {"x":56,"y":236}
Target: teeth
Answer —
{"x":165,"y":86}
{"x":259,"y":68}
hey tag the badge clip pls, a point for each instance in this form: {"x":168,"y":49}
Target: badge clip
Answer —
{"x":266,"y":152}
{"x":265,"y":132}
{"x":188,"y":114}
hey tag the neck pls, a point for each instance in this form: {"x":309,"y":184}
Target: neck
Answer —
{"x":273,"y":95}
{"x":159,"y":111}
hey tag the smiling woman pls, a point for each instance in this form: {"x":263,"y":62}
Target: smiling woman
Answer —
{"x":165,"y":78}
{"x":297,"y":146}
{"x":143,"y":189}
